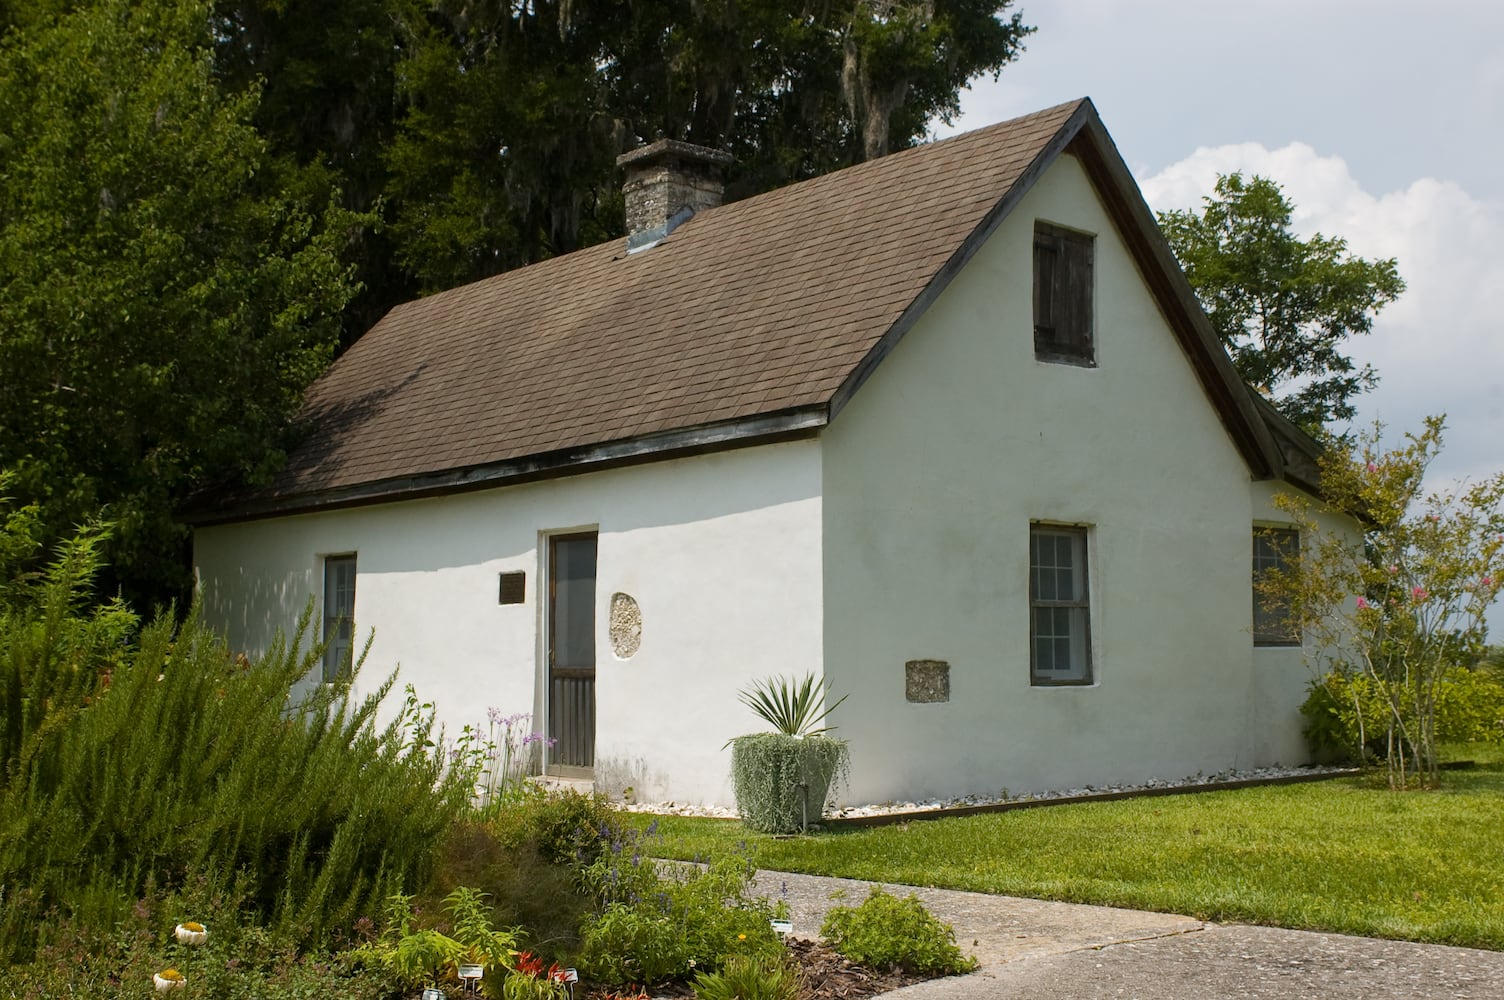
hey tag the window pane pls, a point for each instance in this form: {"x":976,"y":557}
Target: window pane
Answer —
{"x":1273,"y":549}
{"x":339,"y":615}
{"x":1059,"y":617}
{"x":574,"y":602}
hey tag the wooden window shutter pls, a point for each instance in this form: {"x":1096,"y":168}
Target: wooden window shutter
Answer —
{"x":1063,"y":281}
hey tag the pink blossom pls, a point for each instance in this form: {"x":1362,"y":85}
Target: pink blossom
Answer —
{"x":1372,"y":467}
{"x":1393,"y":568}
{"x":1362,"y":604}
{"x":1419,"y":593}
{"x":1433,"y":518}
{"x":1487,"y":581}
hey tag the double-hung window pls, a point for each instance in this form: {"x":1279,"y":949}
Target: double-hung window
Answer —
{"x":1059,"y":608}
{"x":339,"y":616}
{"x":1273,"y":550}
{"x":1063,"y":282}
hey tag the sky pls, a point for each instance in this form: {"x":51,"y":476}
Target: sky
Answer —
{"x":1384,"y":123}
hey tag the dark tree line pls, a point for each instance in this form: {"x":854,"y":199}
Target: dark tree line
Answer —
{"x":200,"y":201}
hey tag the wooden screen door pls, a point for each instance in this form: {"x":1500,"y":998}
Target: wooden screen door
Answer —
{"x":571,"y":650}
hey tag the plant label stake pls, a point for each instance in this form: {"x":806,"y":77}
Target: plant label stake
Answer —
{"x":571,"y":976}
{"x":784,"y":927}
{"x":433,"y":994}
{"x":471,"y":974}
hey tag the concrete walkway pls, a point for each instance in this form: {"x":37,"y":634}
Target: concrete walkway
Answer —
{"x":1031,"y":948}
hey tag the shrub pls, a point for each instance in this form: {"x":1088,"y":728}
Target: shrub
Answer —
{"x":652,"y":926}
{"x":414,"y":955}
{"x":521,"y":885}
{"x":238,"y":961}
{"x":568,"y":828}
{"x":746,"y":977}
{"x":886,"y":931}
{"x":1469,"y":706}
{"x":129,"y":767}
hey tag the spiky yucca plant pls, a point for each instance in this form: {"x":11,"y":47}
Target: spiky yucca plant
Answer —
{"x":792,"y":707}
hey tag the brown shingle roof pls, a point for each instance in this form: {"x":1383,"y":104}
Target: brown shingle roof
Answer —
{"x":763,"y":308}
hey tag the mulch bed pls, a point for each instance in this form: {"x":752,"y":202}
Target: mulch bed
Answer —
{"x":827,"y":976}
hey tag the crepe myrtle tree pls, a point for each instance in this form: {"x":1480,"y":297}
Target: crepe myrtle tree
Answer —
{"x":1399,"y":611}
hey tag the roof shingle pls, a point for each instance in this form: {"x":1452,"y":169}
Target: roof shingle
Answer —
{"x":758,"y":307}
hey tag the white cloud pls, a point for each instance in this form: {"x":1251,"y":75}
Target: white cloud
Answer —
{"x":1439,"y":348}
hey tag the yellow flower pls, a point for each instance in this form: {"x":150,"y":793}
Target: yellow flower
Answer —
{"x":741,"y":937}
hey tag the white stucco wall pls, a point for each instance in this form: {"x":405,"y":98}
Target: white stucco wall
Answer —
{"x":721,"y":552}
{"x":932,"y":476}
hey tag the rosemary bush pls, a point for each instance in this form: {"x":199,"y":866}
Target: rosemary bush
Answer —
{"x":129,"y":765}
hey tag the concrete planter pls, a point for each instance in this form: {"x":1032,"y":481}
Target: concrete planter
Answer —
{"x":782,"y":783}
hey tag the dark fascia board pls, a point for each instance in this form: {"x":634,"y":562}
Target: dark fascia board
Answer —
{"x":788,"y":425}
{"x":963,"y":255}
{"x":1303,"y":468}
{"x":1084,"y":136}
{"x":1177,"y":302}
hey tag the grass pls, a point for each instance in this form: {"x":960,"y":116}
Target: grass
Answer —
{"x":1345,"y":855}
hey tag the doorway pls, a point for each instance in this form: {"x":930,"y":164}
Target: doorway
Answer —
{"x":571,"y":653}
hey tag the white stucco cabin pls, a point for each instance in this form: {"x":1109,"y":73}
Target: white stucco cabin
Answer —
{"x":946,"y":428}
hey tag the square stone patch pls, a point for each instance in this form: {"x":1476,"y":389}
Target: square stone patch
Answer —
{"x":926,"y":681}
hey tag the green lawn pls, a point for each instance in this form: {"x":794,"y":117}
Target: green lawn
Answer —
{"x":1344,"y":855}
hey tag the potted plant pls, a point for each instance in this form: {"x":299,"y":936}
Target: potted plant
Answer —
{"x":783,"y":779}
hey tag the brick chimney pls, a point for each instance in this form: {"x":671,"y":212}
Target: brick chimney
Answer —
{"x":667,"y":182}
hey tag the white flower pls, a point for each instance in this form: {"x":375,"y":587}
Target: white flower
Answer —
{"x":191,"y":933}
{"x":168,"y":979}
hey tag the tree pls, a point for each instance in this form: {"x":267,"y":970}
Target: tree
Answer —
{"x":1284,"y":307}
{"x":167,"y":287}
{"x":1400,"y":610}
{"x":514,"y":113}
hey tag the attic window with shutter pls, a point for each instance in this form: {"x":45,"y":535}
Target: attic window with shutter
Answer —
{"x":1063,"y":295}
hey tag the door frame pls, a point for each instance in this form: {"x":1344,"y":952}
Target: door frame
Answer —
{"x":546,"y":540}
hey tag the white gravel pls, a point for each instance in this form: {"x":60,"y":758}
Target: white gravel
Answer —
{"x":929,"y":805}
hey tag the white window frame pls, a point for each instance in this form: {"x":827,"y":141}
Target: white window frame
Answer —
{"x":1046,"y":602}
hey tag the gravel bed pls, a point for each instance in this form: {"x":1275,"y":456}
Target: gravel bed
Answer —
{"x":1256,"y":775}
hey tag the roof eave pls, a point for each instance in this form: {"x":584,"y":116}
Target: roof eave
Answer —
{"x":1084,"y":135}
{"x":771,"y":428}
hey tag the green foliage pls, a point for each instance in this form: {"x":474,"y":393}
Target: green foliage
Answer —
{"x":783,"y":783}
{"x":747,"y":977}
{"x":521,"y":886}
{"x":128,"y":767}
{"x":512,"y":116}
{"x":1405,"y":604}
{"x":652,"y":925}
{"x":167,"y":287}
{"x":791,"y":707}
{"x":1469,"y":708}
{"x":240,"y":960}
{"x":530,"y":980}
{"x":415,"y":955}
{"x":569,"y":828}
{"x":1284,"y":307}
{"x":886,"y":931}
